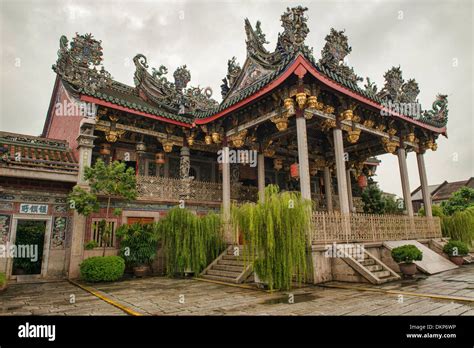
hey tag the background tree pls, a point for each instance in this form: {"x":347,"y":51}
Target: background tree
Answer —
{"x":374,"y":203}
{"x":459,"y":201}
{"x":109,"y":181}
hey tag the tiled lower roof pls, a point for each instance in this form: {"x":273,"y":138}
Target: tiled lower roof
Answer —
{"x":26,"y":151}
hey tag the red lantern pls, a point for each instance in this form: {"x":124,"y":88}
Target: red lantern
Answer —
{"x":362,"y":181}
{"x":294,"y":170}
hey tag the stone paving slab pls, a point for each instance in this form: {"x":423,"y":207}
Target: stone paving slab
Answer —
{"x":165,"y":296}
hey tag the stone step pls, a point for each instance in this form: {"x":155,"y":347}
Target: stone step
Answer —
{"x":367,"y":262}
{"x":233,"y":258}
{"x":382,"y":274}
{"x":387,"y":279}
{"x":227,"y":274}
{"x":219,"y":279}
{"x":228,"y":268}
{"x":231,"y":263}
{"x":374,"y":268}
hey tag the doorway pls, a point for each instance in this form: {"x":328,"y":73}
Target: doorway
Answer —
{"x":30,"y":242}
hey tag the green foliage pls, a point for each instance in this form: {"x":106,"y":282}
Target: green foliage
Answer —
{"x":436,"y":210}
{"x":392,"y":205}
{"x":3,"y":279}
{"x":275,"y":233}
{"x":460,"y":226}
{"x":91,"y":245}
{"x":30,"y":233}
{"x":190,"y":242}
{"x":373,"y":201}
{"x":459,"y":201}
{"x":456,"y":248}
{"x":102,"y":268}
{"x":407,"y":254}
{"x":113,"y":180}
{"x":138,"y":243}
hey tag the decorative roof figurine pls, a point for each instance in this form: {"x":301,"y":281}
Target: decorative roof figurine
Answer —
{"x":77,"y":64}
{"x":334,"y":52}
{"x":396,"y":89}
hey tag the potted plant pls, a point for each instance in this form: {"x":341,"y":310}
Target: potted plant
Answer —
{"x":3,"y":282}
{"x":456,"y":251}
{"x":138,"y":246}
{"x":405,"y":255}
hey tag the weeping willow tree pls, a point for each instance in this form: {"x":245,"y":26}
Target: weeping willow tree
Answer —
{"x":275,"y":233}
{"x":460,"y":226}
{"x":190,"y":242}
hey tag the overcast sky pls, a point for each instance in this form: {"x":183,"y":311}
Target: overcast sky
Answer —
{"x":431,"y":40}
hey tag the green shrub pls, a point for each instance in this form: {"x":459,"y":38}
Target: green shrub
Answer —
{"x":407,"y":254}
{"x":460,"y":226}
{"x":456,"y":248}
{"x":138,"y":243}
{"x":91,"y":245}
{"x":102,"y":268}
{"x":3,"y":279}
{"x":435,"y":209}
{"x":459,"y":201}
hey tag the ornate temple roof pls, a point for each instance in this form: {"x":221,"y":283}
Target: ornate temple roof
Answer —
{"x":26,"y":151}
{"x":262,"y":71}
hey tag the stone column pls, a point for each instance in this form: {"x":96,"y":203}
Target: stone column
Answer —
{"x":349,"y":190}
{"x":341,"y":171}
{"x":261,"y":176}
{"x":140,"y":150}
{"x":226,"y":194}
{"x":424,"y":184}
{"x":305,"y":184}
{"x":402,"y":163}
{"x":327,"y":188}
{"x":184,"y":162}
{"x":85,"y":142}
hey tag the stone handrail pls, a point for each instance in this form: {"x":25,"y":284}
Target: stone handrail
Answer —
{"x":335,"y":227}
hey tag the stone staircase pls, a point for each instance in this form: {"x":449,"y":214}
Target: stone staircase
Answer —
{"x":371,"y":268}
{"x":229,"y":267}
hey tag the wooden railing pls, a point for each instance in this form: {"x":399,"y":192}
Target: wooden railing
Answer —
{"x":334,"y":227}
{"x":171,"y":189}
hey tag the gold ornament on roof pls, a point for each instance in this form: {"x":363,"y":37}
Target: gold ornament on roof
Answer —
{"x":208,"y":140}
{"x":216,"y":137}
{"x":281,"y":122}
{"x":289,"y":104}
{"x":347,"y":115}
{"x":313,"y":102}
{"x":238,"y":140}
{"x":410,"y":137}
{"x":328,"y":109}
{"x":353,"y":136}
{"x":113,"y":135}
{"x":368,"y":123}
{"x":301,"y":99}
{"x":167,"y":146}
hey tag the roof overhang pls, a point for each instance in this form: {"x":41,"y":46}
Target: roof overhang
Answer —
{"x":299,"y":63}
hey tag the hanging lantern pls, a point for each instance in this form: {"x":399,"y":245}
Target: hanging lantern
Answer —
{"x":216,"y":137}
{"x":277,"y":164}
{"x":281,"y":122}
{"x":105,"y":149}
{"x":160,"y":158}
{"x":168,"y":146}
{"x":294,"y":171}
{"x":140,"y":147}
{"x":313,"y":169}
{"x":362,"y":181}
{"x":208,"y":140}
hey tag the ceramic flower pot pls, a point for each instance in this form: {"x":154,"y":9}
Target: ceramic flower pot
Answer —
{"x":408,"y":269}
{"x":141,"y":271}
{"x":457,"y":260}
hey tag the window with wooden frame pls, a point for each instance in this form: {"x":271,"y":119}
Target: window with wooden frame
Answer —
{"x":97,"y":235}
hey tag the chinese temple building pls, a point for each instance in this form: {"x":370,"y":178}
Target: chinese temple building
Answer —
{"x":312,"y":123}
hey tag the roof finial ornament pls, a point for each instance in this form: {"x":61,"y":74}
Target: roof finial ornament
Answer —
{"x":77,"y":64}
{"x":182,"y":76}
{"x":295,"y":28}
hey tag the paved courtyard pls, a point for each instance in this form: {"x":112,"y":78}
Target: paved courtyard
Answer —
{"x":440,"y":294}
